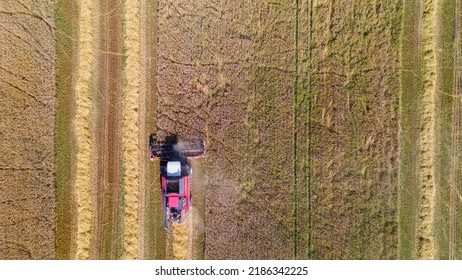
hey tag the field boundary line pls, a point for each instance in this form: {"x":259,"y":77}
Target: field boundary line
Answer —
{"x":294,"y":135}
{"x":308,"y":129}
{"x":455,"y":137}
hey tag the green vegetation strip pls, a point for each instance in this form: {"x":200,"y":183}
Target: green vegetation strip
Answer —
{"x":445,"y":159}
{"x":66,"y":34}
{"x":409,"y":130}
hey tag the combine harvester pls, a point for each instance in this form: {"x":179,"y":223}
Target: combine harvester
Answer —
{"x":175,"y":175}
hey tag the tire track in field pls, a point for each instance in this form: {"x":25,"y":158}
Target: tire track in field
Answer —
{"x":82,"y":129}
{"x":142,"y":135}
{"x":169,"y":241}
{"x":191,"y":231}
{"x":295,"y":106}
{"x":453,"y":198}
{"x":109,"y":162}
{"x":425,"y":225}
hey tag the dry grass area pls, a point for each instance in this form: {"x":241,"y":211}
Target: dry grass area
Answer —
{"x":27,"y":98}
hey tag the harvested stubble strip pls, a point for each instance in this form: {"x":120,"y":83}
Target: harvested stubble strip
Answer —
{"x":131,"y":131}
{"x":425,"y":228}
{"x":82,"y":129}
{"x":182,"y":239}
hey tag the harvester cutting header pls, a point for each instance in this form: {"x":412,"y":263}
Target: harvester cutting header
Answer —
{"x":175,"y":174}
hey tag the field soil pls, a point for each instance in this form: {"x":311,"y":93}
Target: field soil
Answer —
{"x":27,"y":123}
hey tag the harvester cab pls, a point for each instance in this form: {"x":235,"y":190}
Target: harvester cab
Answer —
{"x":175,"y":175}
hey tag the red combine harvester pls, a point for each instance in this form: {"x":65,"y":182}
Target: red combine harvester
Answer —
{"x":175,"y":175}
